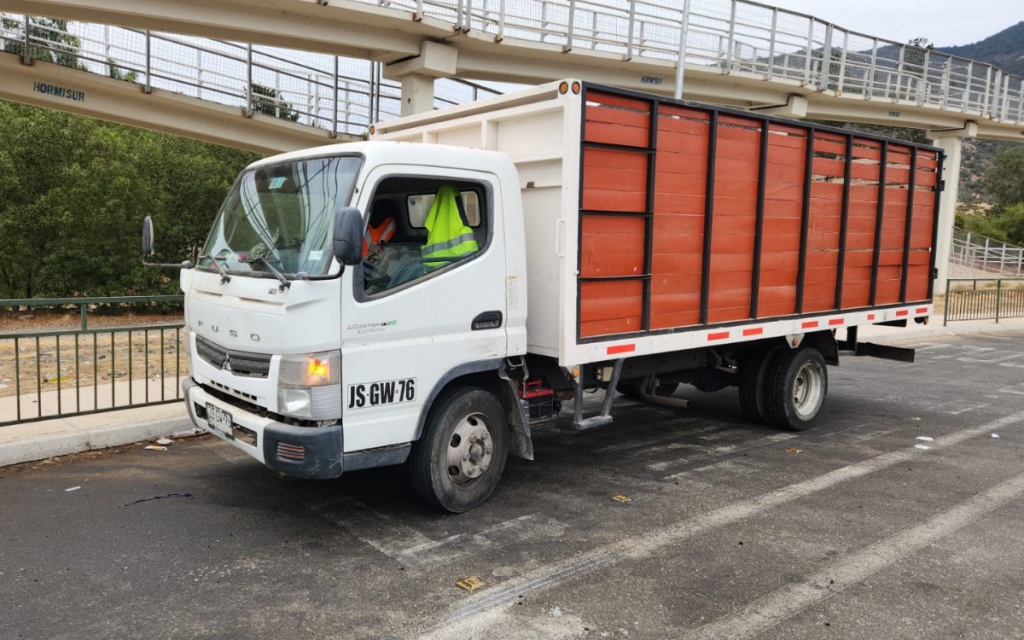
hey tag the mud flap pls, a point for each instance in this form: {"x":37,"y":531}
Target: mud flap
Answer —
{"x":517,"y":416}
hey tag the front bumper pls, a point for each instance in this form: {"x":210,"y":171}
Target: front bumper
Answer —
{"x":316,"y":453}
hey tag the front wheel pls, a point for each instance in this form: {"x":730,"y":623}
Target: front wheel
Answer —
{"x":796,"y":388}
{"x":457,"y":462}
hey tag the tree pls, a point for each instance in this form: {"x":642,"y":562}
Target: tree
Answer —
{"x":270,"y":102}
{"x":74,"y":191}
{"x":1005,"y":180}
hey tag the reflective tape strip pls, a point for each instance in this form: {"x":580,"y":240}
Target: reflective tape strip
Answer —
{"x":388,"y":231}
{"x":448,"y":244}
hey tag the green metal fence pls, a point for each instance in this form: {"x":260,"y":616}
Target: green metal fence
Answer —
{"x":999,"y":302}
{"x":61,"y":373}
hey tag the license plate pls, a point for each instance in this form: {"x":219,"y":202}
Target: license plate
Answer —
{"x":219,"y":419}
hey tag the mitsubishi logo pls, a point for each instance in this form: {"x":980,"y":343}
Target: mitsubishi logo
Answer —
{"x":226,"y":365}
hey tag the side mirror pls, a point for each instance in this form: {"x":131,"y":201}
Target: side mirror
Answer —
{"x":147,"y":237}
{"x":348,"y":236}
{"x":148,"y":250}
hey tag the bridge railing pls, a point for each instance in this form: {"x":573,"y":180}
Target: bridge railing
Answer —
{"x":991,"y":300}
{"x":743,"y":36}
{"x":341,"y":95}
{"x":986,"y":254}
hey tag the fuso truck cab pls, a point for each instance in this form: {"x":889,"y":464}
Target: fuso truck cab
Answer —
{"x":427,"y":296}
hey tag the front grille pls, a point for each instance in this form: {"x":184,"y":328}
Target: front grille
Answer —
{"x":239,"y":363}
{"x":241,"y":394}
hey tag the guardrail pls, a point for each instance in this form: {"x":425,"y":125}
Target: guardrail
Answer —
{"x":340,"y":95}
{"x":980,"y":252}
{"x":987,"y":303}
{"x":739,"y":35}
{"x":125,"y":366}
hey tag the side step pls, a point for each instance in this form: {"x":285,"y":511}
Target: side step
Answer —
{"x":605,"y":416}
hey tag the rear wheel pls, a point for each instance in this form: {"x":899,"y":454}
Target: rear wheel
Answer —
{"x":754,"y":368}
{"x":457,"y":462}
{"x":796,"y":388}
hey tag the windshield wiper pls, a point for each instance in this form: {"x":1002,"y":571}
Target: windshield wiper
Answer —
{"x":285,"y":282}
{"x":224,"y":277}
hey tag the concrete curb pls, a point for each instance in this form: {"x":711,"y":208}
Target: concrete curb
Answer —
{"x":62,"y":444}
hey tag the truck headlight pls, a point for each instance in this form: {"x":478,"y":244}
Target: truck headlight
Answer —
{"x":309,"y":386}
{"x":311,"y":370}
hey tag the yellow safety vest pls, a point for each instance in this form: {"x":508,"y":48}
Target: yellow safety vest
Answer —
{"x":449,"y":235}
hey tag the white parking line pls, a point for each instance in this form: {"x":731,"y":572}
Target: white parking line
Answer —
{"x":461,"y":619}
{"x":783,"y":604}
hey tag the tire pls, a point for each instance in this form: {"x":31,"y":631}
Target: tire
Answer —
{"x":754,"y":368}
{"x":796,"y":388}
{"x":450,"y":465}
{"x":632,"y":390}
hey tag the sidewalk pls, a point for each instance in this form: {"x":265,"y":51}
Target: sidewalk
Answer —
{"x":63,"y":436}
{"x":74,"y":434}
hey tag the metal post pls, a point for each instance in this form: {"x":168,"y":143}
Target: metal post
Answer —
{"x":871,"y":71}
{"x":629,"y":36}
{"x":842,"y":61}
{"x":732,"y":39}
{"x":899,"y":70}
{"x":572,"y":21}
{"x":945,"y":306}
{"x":1006,"y":95}
{"x":419,"y":11}
{"x":85,"y":318}
{"x":810,"y":50}
{"x":988,"y":89}
{"x":26,"y":58}
{"x":1020,"y":260}
{"x":248,"y":80}
{"x":922,"y":89}
{"x":826,"y":60}
{"x":1002,"y":259}
{"x":984,"y":257}
{"x":106,"y":50}
{"x":148,"y":87}
{"x":998,"y":298}
{"x":334,"y":119}
{"x":771,"y":43}
{"x":501,"y":21}
{"x":947,"y":70}
{"x":684,"y":28}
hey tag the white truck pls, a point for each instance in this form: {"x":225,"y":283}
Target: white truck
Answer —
{"x":596,"y":238}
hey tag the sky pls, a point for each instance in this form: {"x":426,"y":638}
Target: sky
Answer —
{"x":944,"y":22}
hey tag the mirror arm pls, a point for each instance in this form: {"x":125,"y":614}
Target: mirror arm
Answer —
{"x":187,"y":264}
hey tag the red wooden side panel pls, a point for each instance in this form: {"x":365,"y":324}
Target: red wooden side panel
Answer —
{"x":735,"y":219}
{"x":862,"y":217}
{"x":613,"y":226}
{"x":894,"y":224}
{"x":783,"y":207}
{"x":680,"y":186}
{"x":610,"y":307}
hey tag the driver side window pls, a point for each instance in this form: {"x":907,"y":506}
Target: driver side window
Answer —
{"x":416,"y":227}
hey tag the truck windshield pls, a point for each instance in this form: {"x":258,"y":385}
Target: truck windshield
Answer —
{"x":283,"y":213}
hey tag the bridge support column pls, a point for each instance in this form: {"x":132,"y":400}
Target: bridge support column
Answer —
{"x":952,"y":144}
{"x":418,"y":74}
{"x":417,"y":94}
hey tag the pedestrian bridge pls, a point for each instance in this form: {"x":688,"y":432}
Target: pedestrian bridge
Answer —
{"x":366,"y":60}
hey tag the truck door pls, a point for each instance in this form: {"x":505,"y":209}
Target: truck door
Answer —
{"x":409,"y":323}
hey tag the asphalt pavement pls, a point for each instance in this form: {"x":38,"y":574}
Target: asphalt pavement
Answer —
{"x":898,"y":517}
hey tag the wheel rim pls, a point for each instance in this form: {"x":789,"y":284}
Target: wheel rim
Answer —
{"x":470,"y":451}
{"x":808,"y":390}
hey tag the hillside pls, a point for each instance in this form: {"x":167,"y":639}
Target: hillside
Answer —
{"x":1004,"y":49}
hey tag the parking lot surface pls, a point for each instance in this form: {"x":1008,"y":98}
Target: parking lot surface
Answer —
{"x":899,"y":516}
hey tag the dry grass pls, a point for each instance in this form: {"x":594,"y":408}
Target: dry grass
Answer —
{"x":32,"y":364}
